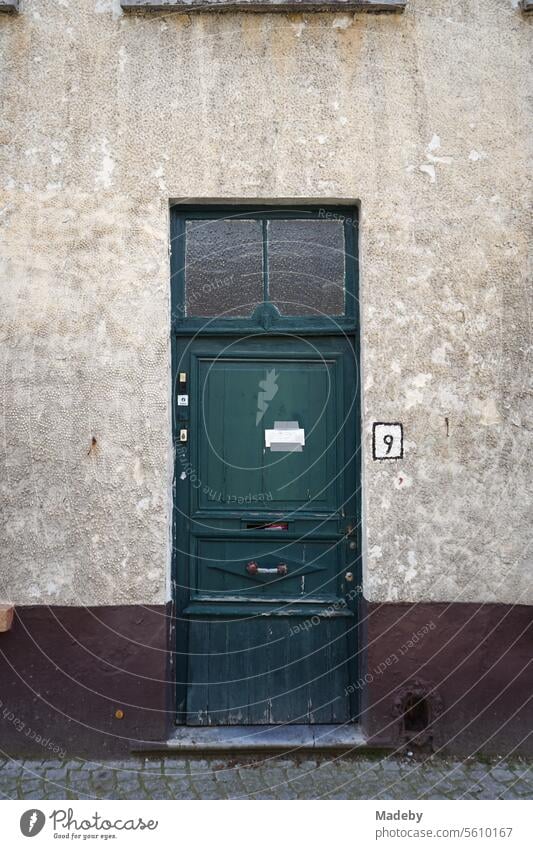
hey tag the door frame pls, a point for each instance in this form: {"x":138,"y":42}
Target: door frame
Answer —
{"x":267,"y":325}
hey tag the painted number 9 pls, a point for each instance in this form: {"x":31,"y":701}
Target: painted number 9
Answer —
{"x":387,"y":441}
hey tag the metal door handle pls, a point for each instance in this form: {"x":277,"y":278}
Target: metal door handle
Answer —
{"x":253,"y":568}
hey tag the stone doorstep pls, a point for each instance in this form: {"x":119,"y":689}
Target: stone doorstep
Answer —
{"x":253,"y":738}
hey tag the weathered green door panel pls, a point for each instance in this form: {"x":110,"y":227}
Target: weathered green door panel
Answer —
{"x":235,"y":467}
{"x":273,"y":670}
{"x":264,"y":644}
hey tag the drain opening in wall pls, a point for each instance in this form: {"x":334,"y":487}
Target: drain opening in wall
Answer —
{"x":417,"y":706}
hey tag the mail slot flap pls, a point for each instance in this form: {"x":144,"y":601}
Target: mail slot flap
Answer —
{"x":285,"y":436}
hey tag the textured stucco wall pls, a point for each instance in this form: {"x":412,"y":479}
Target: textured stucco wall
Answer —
{"x":421,"y":116}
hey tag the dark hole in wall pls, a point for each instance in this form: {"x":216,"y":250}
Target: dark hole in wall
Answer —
{"x":416,"y":714}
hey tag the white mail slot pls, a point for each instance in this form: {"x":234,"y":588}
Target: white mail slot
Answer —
{"x":297,"y":436}
{"x":285,"y":436}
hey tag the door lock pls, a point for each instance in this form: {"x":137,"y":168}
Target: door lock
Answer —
{"x":183,"y":434}
{"x":348,"y":576}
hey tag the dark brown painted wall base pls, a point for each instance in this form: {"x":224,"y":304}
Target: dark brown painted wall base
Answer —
{"x":455,"y":677}
{"x":65,"y":671}
{"x":465,"y":669}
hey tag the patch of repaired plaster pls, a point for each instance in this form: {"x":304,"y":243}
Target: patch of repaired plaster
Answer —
{"x":298,"y":27}
{"x":428,"y":167}
{"x":104,"y":7}
{"x":342,"y":22}
{"x":488,"y":412}
{"x":414,"y":390}
{"x":104,"y":177}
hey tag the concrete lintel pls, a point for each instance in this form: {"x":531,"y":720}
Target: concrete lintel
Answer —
{"x":9,"y":5}
{"x":263,"y":5}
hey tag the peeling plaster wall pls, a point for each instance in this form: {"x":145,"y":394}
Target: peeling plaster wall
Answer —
{"x":104,"y":117}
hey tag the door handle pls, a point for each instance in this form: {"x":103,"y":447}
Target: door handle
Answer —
{"x":254,"y":568}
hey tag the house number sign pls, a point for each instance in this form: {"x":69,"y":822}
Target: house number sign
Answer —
{"x":387,"y":441}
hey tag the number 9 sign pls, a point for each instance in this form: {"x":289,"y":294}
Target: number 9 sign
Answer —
{"x":387,"y":441}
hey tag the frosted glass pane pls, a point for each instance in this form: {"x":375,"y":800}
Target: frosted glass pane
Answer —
{"x":223,"y":267}
{"x":306,"y":266}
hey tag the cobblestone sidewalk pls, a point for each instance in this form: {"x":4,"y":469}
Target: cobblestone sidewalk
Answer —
{"x":267,"y":777}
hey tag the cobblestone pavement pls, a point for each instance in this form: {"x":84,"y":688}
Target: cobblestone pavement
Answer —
{"x":267,"y":777}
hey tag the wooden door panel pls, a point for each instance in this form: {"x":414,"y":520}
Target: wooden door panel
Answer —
{"x":235,"y":467}
{"x":284,"y":669}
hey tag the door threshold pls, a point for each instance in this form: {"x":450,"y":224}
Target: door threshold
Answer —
{"x":287,"y":738}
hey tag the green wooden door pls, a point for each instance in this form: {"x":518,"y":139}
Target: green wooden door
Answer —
{"x":266,"y":511}
{"x":268,"y":586}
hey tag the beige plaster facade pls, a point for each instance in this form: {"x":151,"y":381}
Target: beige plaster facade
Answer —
{"x":421,"y":117}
